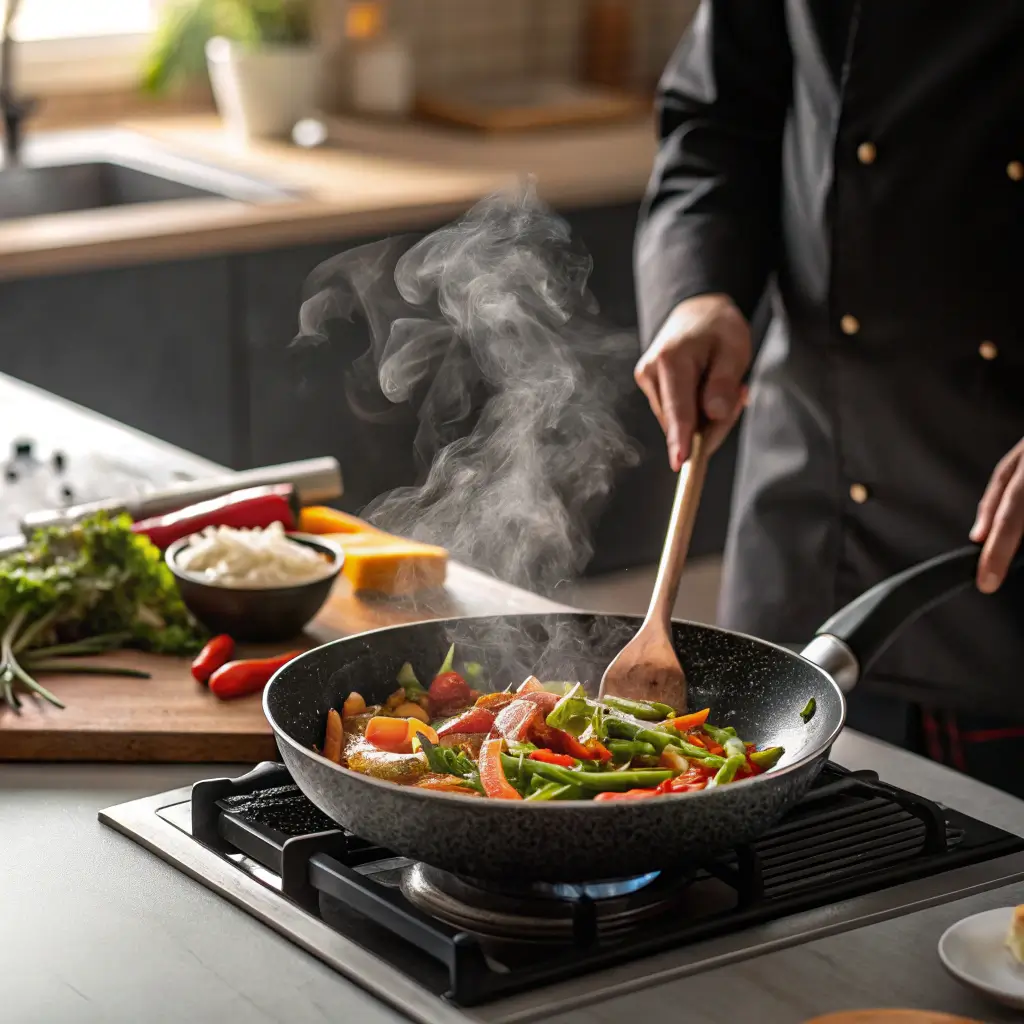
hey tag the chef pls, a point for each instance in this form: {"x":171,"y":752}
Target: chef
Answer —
{"x":853,"y":170}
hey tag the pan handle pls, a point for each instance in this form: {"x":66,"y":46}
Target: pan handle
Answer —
{"x":849,"y":643}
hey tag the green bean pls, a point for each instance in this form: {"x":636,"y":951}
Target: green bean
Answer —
{"x":728,"y":770}
{"x":808,"y":710}
{"x":720,"y":736}
{"x":648,"y":710}
{"x":597,"y":782}
{"x":553,"y":791}
{"x":625,"y":750}
{"x":768,"y":758}
{"x":660,"y":739}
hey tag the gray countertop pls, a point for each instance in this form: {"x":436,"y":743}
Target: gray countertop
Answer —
{"x":95,"y":929}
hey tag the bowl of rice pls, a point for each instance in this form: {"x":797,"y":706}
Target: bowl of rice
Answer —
{"x":258,"y":585}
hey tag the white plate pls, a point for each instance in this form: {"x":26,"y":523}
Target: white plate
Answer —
{"x":973,"y":951}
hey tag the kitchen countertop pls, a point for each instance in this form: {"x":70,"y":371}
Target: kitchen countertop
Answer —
{"x":96,"y":930}
{"x":400,"y":180}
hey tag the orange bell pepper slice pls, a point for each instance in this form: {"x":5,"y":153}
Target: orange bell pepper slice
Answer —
{"x":684,"y":723}
{"x":630,"y":794}
{"x":492,"y":775}
{"x":395,"y":734}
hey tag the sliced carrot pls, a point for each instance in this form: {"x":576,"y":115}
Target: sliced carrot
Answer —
{"x":332,"y":740}
{"x":492,"y":775}
{"x":684,"y":723}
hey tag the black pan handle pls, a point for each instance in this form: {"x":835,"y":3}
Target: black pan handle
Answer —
{"x":850,"y":642}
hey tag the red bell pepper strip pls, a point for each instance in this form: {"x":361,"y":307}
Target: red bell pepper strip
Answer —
{"x":240,"y":678}
{"x":516,"y":720}
{"x":597,"y":751}
{"x":473,"y":720}
{"x":449,"y":690}
{"x":684,"y":723}
{"x":492,"y":775}
{"x":216,"y":653}
{"x":550,"y":757}
{"x":630,"y":794}
{"x":248,"y":508}
{"x":561,"y":742}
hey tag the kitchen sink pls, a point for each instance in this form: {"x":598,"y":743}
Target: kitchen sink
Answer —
{"x":95,"y":170}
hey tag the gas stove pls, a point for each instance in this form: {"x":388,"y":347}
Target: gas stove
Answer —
{"x":443,"y":948}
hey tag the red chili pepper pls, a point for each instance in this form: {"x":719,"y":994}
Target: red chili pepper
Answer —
{"x":492,"y":775}
{"x":240,"y":678}
{"x":550,"y":757}
{"x":248,"y":508}
{"x":216,"y":653}
{"x":630,"y":794}
{"x":450,"y":689}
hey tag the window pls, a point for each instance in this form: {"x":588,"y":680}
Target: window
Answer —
{"x":78,"y":45}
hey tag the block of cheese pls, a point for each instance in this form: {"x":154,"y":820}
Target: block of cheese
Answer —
{"x":320,"y":519}
{"x":380,"y":563}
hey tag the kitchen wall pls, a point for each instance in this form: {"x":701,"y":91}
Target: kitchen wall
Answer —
{"x":467,"y":40}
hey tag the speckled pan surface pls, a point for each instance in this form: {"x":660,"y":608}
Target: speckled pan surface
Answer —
{"x":754,"y":686}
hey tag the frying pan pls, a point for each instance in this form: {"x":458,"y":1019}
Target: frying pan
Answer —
{"x":756,"y":686}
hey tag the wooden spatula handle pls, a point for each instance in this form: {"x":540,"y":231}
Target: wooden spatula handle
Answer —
{"x":680,"y":530}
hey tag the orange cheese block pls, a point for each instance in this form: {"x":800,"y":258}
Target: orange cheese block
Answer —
{"x":391,"y":565}
{"x":320,"y":519}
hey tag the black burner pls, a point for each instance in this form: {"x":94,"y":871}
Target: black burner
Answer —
{"x":544,"y":913}
{"x":473,"y":942}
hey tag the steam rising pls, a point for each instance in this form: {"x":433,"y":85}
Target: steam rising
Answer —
{"x":490,"y":316}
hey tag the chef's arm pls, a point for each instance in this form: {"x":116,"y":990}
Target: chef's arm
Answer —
{"x":710,"y":221}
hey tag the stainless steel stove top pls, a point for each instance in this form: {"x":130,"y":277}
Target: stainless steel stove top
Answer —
{"x":352,"y":944}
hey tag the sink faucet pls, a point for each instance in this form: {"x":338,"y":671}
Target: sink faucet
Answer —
{"x":13,"y":110}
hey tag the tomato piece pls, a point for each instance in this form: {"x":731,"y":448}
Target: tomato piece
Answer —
{"x":473,"y":720}
{"x":450,"y":689}
{"x":531,"y":685}
{"x":630,"y":794}
{"x":492,"y":775}
{"x":684,"y":723}
{"x":550,"y":757}
{"x":390,"y":734}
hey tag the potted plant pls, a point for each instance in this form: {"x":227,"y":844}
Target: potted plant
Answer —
{"x":262,"y":64}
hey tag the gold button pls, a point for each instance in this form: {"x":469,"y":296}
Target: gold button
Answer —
{"x":1015,"y":170}
{"x":987,"y":350}
{"x":858,"y":493}
{"x":849,"y":324}
{"x":866,"y":152}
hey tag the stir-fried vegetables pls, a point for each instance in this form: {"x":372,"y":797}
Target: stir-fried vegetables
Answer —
{"x":539,"y":742}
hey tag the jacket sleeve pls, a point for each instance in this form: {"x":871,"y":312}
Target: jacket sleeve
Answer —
{"x":711,"y":218}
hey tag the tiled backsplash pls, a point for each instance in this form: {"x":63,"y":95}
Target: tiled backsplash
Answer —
{"x":467,"y":40}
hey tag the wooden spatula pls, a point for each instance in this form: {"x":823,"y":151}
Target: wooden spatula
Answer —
{"x":647,"y":668}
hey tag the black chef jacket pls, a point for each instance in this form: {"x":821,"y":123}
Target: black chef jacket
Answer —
{"x":865,"y":161}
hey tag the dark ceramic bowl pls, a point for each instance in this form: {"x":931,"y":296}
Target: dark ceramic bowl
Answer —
{"x":256,"y":614}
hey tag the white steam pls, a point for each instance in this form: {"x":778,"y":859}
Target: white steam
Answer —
{"x":490,"y":317}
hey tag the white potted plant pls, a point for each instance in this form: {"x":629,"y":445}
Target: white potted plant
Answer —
{"x":263,"y":66}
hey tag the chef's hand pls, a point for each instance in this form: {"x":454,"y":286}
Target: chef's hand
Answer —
{"x":698,"y":360}
{"x":1000,"y":521}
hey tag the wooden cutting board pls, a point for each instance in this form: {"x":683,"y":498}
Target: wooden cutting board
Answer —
{"x":170,"y":718}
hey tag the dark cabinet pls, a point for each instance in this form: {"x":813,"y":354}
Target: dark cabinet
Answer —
{"x":150,"y":346}
{"x":201,"y":353}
